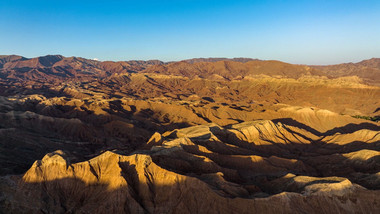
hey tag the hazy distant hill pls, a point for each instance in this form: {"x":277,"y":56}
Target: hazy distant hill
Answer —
{"x":56,"y":68}
{"x":240,"y":59}
{"x":369,"y":70}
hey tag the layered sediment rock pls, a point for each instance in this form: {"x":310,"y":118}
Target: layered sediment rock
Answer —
{"x":196,"y":136}
{"x":259,"y":166}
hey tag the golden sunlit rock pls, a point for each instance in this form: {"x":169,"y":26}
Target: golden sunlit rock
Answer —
{"x":195,"y":136}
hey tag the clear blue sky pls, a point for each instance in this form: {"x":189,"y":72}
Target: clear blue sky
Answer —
{"x":302,"y":31}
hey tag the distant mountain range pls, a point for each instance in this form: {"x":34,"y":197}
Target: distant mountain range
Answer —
{"x":54,"y":68}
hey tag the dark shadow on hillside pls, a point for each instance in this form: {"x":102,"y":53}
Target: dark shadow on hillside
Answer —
{"x":231,"y":156}
{"x":145,"y":193}
{"x":347,"y":129}
{"x":81,"y":133}
{"x":72,"y":195}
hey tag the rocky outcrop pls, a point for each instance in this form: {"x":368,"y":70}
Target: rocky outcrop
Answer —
{"x":135,"y":184}
{"x":260,"y":166}
{"x":195,"y":136}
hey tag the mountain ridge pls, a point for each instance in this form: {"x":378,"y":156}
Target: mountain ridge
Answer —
{"x":55,"y":67}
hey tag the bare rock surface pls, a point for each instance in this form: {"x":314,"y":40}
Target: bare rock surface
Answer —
{"x":210,"y":135}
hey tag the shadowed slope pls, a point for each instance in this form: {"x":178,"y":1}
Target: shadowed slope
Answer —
{"x":260,"y":166}
{"x":226,"y":136}
{"x":135,"y":184}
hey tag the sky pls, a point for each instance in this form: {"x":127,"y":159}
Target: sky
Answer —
{"x":301,"y":32}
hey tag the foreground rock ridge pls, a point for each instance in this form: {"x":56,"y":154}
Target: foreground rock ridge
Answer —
{"x":259,"y":166}
{"x":208,"y":135}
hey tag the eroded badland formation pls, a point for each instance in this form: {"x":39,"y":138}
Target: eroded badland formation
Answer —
{"x":195,"y":136}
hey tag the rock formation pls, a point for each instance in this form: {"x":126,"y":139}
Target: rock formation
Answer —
{"x":197,"y":136}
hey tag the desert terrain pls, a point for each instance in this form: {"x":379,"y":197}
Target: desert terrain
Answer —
{"x":211,"y":135}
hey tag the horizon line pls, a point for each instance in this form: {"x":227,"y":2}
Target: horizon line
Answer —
{"x":187,"y":59}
